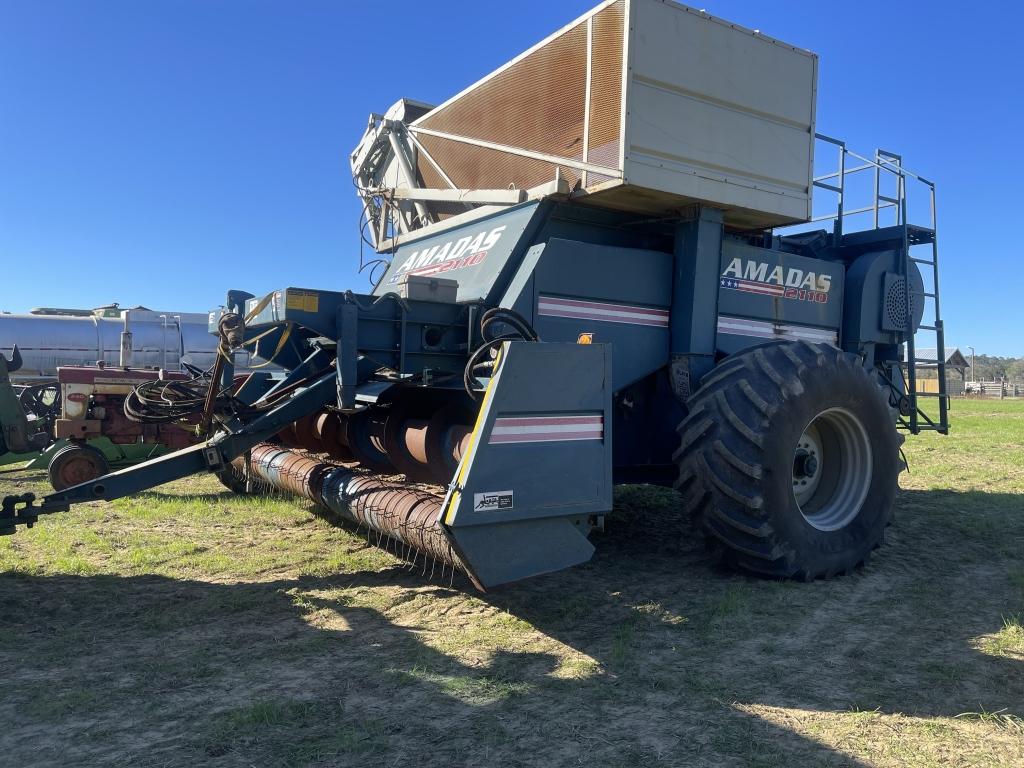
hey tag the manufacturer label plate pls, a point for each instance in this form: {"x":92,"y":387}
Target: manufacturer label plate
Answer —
{"x":486,"y":502}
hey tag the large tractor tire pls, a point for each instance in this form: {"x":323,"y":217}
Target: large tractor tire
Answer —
{"x":789,"y":459}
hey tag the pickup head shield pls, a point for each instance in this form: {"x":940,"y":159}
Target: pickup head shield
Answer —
{"x":539,"y":465}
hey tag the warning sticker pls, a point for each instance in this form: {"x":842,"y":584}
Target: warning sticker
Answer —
{"x":485,"y":502}
{"x":304,"y":301}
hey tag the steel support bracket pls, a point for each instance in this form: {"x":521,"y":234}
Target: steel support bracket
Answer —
{"x":213,"y":458}
{"x":347,"y":361}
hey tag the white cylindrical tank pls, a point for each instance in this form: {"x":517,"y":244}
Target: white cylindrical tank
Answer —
{"x":158,"y":339}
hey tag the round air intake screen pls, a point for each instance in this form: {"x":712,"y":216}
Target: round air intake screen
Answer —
{"x":894,"y":301}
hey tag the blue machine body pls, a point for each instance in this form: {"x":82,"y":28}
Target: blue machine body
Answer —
{"x":574,"y":245}
{"x":630,"y":315}
{"x":657,"y":305}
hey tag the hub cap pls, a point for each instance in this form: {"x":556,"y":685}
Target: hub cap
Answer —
{"x":832,"y":469}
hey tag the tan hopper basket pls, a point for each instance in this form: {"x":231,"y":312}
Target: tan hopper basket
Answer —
{"x":649,"y":106}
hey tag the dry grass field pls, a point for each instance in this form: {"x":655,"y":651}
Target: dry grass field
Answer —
{"x":188,"y":627}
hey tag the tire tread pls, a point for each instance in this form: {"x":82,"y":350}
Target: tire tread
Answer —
{"x":721,"y":458}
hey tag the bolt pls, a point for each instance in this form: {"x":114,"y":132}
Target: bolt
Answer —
{"x":810,"y":465}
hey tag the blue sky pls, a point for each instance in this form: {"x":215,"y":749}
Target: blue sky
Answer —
{"x":160,"y":152}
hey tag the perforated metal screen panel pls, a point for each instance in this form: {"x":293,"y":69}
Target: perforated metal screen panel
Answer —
{"x":649,"y":106}
{"x":605,"y":120}
{"x":895,"y":304}
{"x":538,"y":104}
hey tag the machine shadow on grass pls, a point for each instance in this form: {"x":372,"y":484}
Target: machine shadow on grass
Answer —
{"x":258,"y":684}
{"x":297,"y":670}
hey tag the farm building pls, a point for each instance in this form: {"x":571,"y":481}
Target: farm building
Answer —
{"x":956,"y":371}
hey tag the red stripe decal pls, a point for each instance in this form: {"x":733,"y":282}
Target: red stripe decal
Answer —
{"x":536,"y":421}
{"x":602,"y":311}
{"x":546,"y":429}
{"x":544,"y":437}
{"x":581,"y":315}
{"x":603,"y":305}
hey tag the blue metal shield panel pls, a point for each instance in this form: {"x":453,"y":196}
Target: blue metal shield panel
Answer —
{"x":620,"y":296}
{"x":539,"y":463}
{"x":767,"y":295}
{"x":476,"y":254}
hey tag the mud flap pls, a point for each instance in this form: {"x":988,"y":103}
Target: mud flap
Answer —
{"x":539,"y":465}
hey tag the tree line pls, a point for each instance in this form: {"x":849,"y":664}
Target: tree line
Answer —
{"x":993,"y":368}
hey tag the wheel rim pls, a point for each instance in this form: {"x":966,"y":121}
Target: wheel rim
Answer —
{"x":80,"y":467}
{"x":832,"y":469}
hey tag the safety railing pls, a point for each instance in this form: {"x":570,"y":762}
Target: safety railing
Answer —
{"x":888,"y":193}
